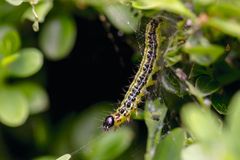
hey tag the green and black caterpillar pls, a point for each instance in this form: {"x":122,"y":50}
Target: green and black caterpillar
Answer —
{"x":143,"y":78}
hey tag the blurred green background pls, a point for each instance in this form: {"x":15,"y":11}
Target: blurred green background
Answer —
{"x":64,"y":64}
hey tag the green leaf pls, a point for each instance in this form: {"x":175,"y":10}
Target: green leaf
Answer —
{"x":220,"y":102}
{"x":36,"y":96}
{"x":196,"y":152}
{"x":64,"y":157}
{"x":217,"y":150}
{"x":233,"y":120}
{"x":227,"y":26}
{"x":15,"y":2}
{"x":226,"y":74}
{"x":174,"y":6}
{"x":207,"y":85}
{"x":172,"y":84}
{"x":57,"y":37}
{"x":228,"y":10}
{"x":172,"y":59}
{"x":204,"y":2}
{"x":121,"y":17}
{"x":8,"y":60}
{"x":170,"y":147}
{"x":28,"y":62}
{"x":198,"y":70}
{"x":154,"y":115}
{"x":41,"y":9}
{"x":10,"y":40}
{"x":13,"y":107}
{"x":86,"y":130}
{"x":153,"y":109}
{"x":204,"y":55}
{"x":199,"y":120}
{"x":114,"y":144}
{"x":194,"y":91}
{"x":95,"y":3}
{"x":45,"y":158}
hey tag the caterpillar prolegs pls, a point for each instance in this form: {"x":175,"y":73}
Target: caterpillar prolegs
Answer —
{"x":142,"y":79}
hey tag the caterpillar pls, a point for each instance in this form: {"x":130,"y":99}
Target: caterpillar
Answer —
{"x":142,"y":79}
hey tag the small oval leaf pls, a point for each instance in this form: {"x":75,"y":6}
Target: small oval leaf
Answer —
{"x":199,"y":120}
{"x":13,"y":107}
{"x":86,"y":130}
{"x":57,"y":37}
{"x":113,"y":144}
{"x":28,"y":62}
{"x":121,"y":17}
{"x":204,"y":54}
{"x":15,"y":2}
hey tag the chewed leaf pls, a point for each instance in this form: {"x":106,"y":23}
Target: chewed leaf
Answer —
{"x":154,"y":115}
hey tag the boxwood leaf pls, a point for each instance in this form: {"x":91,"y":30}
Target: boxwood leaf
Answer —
{"x":15,"y":2}
{"x":28,"y":62}
{"x":170,"y":147}
{"x":57,"y":37}
{"x":14,"y":108}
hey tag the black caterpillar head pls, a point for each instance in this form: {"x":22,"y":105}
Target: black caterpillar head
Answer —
{"x":108,"y":123}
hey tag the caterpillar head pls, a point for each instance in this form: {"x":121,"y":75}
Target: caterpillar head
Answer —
{"x":108,"y":123}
